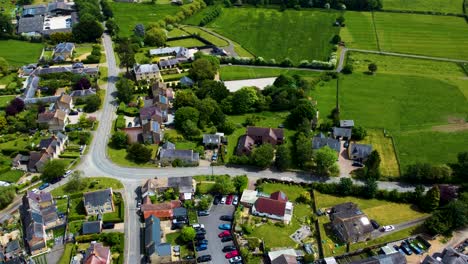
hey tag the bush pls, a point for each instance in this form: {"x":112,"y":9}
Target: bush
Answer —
{"x":247,"y":229}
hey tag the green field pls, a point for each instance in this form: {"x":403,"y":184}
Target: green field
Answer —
{"x":188,"y":43}
{"x":100,"y":183}
{"x":24,"y":52}
{"x":230,"y":73}
{"x":176,"y":32}
{"x":196,"y":18}
{"x":118,"y":156}
{"x":389,"y":164}
{"x":5,"y":100}
{"x":11,"y":176}
{"x":271,"y":34}
{"x":446,"y":6}
{"x":127,"y":15}
{"x":210,"y":37}
{"x":359,"y":31}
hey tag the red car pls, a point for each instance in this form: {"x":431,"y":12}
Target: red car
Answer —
{"x":224,"y":234}
{"x":229,"y":199}
{"x":232,"y":254}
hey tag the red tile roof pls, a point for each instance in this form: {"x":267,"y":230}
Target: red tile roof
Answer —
{"x":270,"y":206}
{"x":279,"y":196}
{"x":162,"y":210}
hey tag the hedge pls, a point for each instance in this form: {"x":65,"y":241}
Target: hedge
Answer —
{"x":69,"y":156}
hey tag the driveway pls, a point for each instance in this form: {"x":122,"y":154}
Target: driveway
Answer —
{"x":211,"y":223}
{"x":261,"y":83}
{"x":345,"y":164}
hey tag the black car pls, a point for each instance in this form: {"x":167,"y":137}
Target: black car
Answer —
{"x":204,"y":258}
{"x":226,"y":239}
{"x":108,"y":225}
{"x":203,"y":213}
{"x":199,"y":236}
{"x":229,"y":248}
{"x":201,"y":231}
{"x":226,"y":218}
{"x":374,"y":224}
{"x":217,"y":199}
{"x":189,"y":257}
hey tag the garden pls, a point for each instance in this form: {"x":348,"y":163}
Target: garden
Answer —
{"x":25,"y":52}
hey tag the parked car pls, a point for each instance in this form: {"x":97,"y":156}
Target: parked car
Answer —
{"x":235,"y":201}
{"x":203,"y":213}
{"x":224,"y":234}
{"x":201,"y":231}
{"x":73,"y":113}
{"x":176,"y":250}
{"x":200,"y":242}
{"x":397,"y":248}
{"x":388,"y":228}
{"x":35,"y":190}
{"x":223,"y":200}
{"x":229,"y":199}
{"x":199,"y":236}
{"x":189,"y":257}
{"x":225,"y":226}
{"x":229,"y":248}
{"x":217,"y":199}
{"x":226,"y":239}
{"x":226,"y":218}
{"x":214,"y":157}
{"x":67,"y":173}
{"x":374,"y":224}
{"x":406,"y":249}
{"x":232,"y":254}
{"x":108,"y":225}
{"x":204,"y":258}
{"x":237,"y":259}
{"x":43,"y":186}
{"x":308,"y":248}
{"x":178,"y":225}
{"x":198,"y":226}
{"x":201,"y":247}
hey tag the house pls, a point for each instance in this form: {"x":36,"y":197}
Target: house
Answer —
{"x":64,"y":103}
{"x":134,"y":134}
{"x":275,"y":207}
{"x":89,"y":71}
{"x":394,"y":258}
{"x":146,"y":72}
{"x":168,"y":145}
{"x":56,"y":120}
{"x":257,"y":136}
{"x":168,"y":64}
{"x":186,"y":186}
{"x":37,"y":160}
{"x":92,"y":227}
{"x":82,"y":93}
{"x":320,"y":141}
{"x":161,"y":210}
{"x":188,"y":156}
{"x":97,"y":254}
{"x":284,"y":254}
{"x":181,"y":53}
{"x":448,"y":256}
{"x":54,"y":145}
{"x":341,"y":133}
{"x":20,"y":161}
{"x":160,"y":88}
{"x":34,"y":10}
{"x":26,"y":70}
{"x":12,"y":248}
{"x":248,"y":198}
{"x":150,"y":188}
{"x":212,"y":140}
{"x":180,"y":212}
{"x":285,"y":259}
{"x":349,"y":223}
{"x":186,"y":81}
{"x":63,"y":51}
{"x":157,"y":251}
{"x":153,"y":113}
{"x":359,"y":152}
{"x":347,"y":123}
{"x":152,"y":133}
{"x":99,"y":202}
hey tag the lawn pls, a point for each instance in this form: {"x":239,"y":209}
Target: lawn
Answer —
{"x":174,"y":239}
{"x":176,"y":32}
{"x":98,"y":183}
{"x":127,"y":15}
{"x":205,"y":187}
{"x":292,"y":191}
{"x":325,"y":95}
{"x":207,"y":36}
{"x":11,"y":176}
{"x":438,"y":36}
{"x":447,"y":6}
{"x":25,"y":52}
{"x":230,"y":73}
{"x":75,"y":226}
{"x":83,"y":50}
{"x":118,"y":156}
{"x":188,"y":43}
{"x":119,"y":213}
{"x":195,"y":19}
{"x":298,"y":35}
{"x":359,"y":31}
{"x":382,"y":211}
{"x":389,"y":164}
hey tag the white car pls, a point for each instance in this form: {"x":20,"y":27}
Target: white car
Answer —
{"x":198,"y":226}
{"x":388,"y":228}
{"x":235,"y":201}
{"x":67,"y":173}
{"x":35,"y":190}
{"x":223,"y":200}
{"x":235,"y":259}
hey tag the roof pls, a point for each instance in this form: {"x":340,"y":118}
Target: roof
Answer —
{"x":211,"y":139}
{"x":12,"y":246}
{"x":151,"y":126}
{"x":97,"y":254}
{"x":354,"y":221}
{"x":276,"y":133}
{"x":161,"y":210}
{"x":360,"y":150}
{"x":145,"y":68}
{"x":98,"y":198}
{"x":249,"y":196}
{"x":388,"y":250}
{"x":270,"y":206}
{"x":34,"y":10}
{"x":74,"y":70}
{"x":147,"y":113}
{"x":150,"y":185}
{"x":64,"y":47}
{"x":85,"y":92}
{"x":183,"y":154}
{"x":168,"y":145}
{"x":285,"y":259}
{"x":320,"y":141}
{"x":40,"y":197}
{"x":152,"y":234}
{"x":65,"y":98}
{"x":330,"y":260}
{"x":179,"y":211}
{"x":394,"y":258}
{"x":186,"y":81}
{"x":184,"y":184}
{"x":30,"y":24}
{"x":279,"y":196}
{"x":341,"y":132}
{"x":451,"y":256}
{"x":346,"y":123}
{"x":168,"y":63}
{"x":277,"y":253}
{"x":164,"y":51}
{"x":92,"y":227}
{"x":59,"y":6}
{"x":163,"y":249}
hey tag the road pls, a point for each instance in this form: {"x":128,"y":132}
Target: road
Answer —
{"x":398,"y":227}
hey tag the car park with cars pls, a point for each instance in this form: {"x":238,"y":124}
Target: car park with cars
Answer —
{"x":204,"y":258}
{"x":225,"y":226}
{"x":232,"y":254}
{"x":224,"y":234}
{"x":226,"y":218}
{"x":226,"y":239}
{"x":229,"y":248}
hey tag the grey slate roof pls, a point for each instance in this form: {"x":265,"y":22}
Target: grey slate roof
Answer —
{"x":164,"y":249}
{"x":341,"y":132}
{"x":168,"y":145}
{"x":182,"y":154}
{"x":92,"y":227}
{"x":98,"y":198}
{"x":346,"y":123}
{"x":451,"y":256}
{"x":145,"y":68}
{"x":81,"y":93}
{"x":179,"y":211}
{"x":168,"y":63}
{"x":152,"y":234}
{"x":186,"y":81}
{"x":211,"y":139}
{"x":64,"y":47}
{"x":34,"y":10}
{"x":352,"y":218}
{"x":13,"y":245}
{"x":30,"y":24}
{"x":183,"y":183}
{"x":320,"y":141}
{"x":362,"y":151}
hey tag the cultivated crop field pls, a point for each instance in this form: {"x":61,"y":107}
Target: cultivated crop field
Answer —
{"x":359,"y":31}
{"x":18,"y":53}
{"x":446,"y":6}
{"x":272,"y":34}
{"x":418,"y":102}
{"x":127,"y":15}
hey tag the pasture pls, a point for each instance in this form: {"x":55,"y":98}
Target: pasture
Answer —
{"x":297,"y":35}
{"x":446,"y":6}
{"x":127,"y":15}
{"x":359,"y":32}
{"x":389,"y":164}
{"x":18,"y":53}
{"x":207,"y":36}
{"x":188,"y":43}
{"x":230,"y":73}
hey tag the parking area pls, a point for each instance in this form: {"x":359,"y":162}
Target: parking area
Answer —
{"x":211,"y":222}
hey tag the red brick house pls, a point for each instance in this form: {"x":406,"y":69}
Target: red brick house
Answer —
{"x":256,"y":136}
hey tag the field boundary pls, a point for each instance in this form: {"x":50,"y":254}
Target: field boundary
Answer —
{"x":375,"y":32}
{"x":430,"y":13}
{"x":395,"y":150}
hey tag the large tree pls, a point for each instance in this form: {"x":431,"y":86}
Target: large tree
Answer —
{"x":373,"y":165}
{"x":184,"y":114}
{"x":262,"y":156}
{"x":240,"y":182}
{"x":76,"y":182}
{"x":304,"y":112}
{"x":431,"y":199}
{"x":214,"y":89}
{"x":53,"y":170}
{"x":139,"y":153}
{"x":202,"y":69}
{"x":224,"y":185}
{"x":244,"y":100}
{"x":88,"y":29}
{"x":6,"y":27}
{"x":7,"y":194}
{"x":126,"y":52}
{"x":112,"y":27}
{"x":303,"y":151}
{"x":125,"y":90}
{"x":93,"y":102}
{"x":283,"y":158}
{"x":187,"y":234}
{"x":325,"y":162}
{"x":155,"y":37}
{"x":461,"y":168}
{"x":345,"y":187}
{"x":119,"y":140}
{"x":185,"y":98}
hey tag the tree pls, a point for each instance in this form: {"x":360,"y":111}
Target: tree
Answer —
{"x":112,"y":27}
{"x":88,"y":29}
{"x":461,"y":168}
{"x":185,"y":113}
{"x":214,"y":89}
{"x":340,"y":19}
{"x":4,"y":66}
{"x":7,"y":194}
{"x":240,"y":183}
{"x":336,"y":39}
{"x":303,"y":150}
{"x":16,"y":106}
{"x":348,"y":69}
{"x":3,"y":123}
{"x":373,"y":165}
{"x":171,"y":194}
{"x":139,"y":153}
{"x":93,"y":102}
{"x":185,"y":98}
{"x":283,"y":81}
{"x":126,"y":53}
{"x":205,"y":203}
{"x":372,"y":68}
{"x":345,"y":187}
{"x":304,"y":112}
{"x":359,"y":133}
{"x":418,"y":193}
{"x":187,"y":234}
{"x":283,"y":158}
{"x":262,"y":156}
{"x":224,"y":185}
{"x":53,"y":170}
{"x":325,"y":161}
{"x":6,"y":27}
{"x":370,"y":188}
{"x":155,"y":37}
{"x":431,"y":199}
{"x":75,"y":183}
{"x":202,"y":69}
{"x":119,"y":140}
{"x":125,"y":90}
{"x":244,"y":100}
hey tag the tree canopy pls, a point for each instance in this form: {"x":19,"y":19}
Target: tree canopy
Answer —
{"x":155,"y":37}
{"x":125,"y":90}
{"x":53,"y":170}
{"x":262,"y":156}
{"x":202,"y":69}
{"x":139,"y":153}
{"x":325,"y":162}
{"x":224,"y":185}
{"x":88,"y":29}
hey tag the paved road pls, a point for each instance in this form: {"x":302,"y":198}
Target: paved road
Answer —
{"x":261,"y":83}
{"x":398,"y":227}
{"x":230,"y":48}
